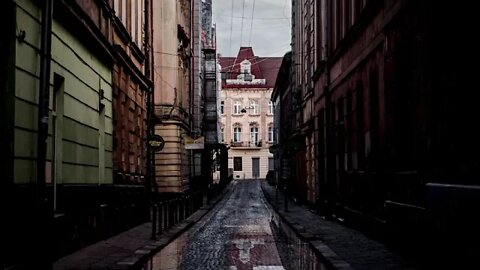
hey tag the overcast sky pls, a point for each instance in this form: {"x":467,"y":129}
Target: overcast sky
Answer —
{"x":268,"y":32}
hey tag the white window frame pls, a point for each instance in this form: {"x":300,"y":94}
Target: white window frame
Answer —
{"x":237,"y":134}
{"x":237,"y":107}
{"x":254,"y":138}
{"x":123,"y":17}
{"x":270,"y":107}
{"x":270,"y":134}
{"x":255,"y":109}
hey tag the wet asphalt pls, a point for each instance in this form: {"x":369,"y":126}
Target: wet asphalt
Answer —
{"x":236,"y":234}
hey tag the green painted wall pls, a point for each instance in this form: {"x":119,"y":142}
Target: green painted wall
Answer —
{"x":82,"y":132}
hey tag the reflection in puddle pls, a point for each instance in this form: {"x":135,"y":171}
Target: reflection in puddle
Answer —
{"x":295,"y":253}
{"x":241,"y":233}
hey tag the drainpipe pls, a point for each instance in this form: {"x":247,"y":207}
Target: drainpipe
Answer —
{"x":43,"y":213}
{"x":44,"y":95}
{"x":150,"y":181}
{"x":191,"y":110}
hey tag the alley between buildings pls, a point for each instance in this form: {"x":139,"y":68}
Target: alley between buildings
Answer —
{"x":236,"y":234}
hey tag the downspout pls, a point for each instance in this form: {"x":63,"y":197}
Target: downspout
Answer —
{"x":43,"y":99}
{"x":150,"y":181}
{"x":192,"y":122}
{"x":44,"y":214}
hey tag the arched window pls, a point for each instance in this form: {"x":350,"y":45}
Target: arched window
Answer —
{"x":237,"y":133}
{"x":245,"y":66}
{"x":254,"y":138}
{"x":222,"y":134}
{"x":270,"y":133}
{"x":270,"y":107}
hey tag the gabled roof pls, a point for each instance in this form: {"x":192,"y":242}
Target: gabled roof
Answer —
{"x":262,"y":67}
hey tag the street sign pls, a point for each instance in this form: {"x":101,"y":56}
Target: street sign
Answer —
{"x":156,"y":143}
{"x":194,"y":144}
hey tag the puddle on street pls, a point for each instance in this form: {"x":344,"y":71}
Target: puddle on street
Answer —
{"x":241,"y":233}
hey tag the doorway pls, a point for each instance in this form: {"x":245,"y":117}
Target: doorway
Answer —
{"x":255,"y":168}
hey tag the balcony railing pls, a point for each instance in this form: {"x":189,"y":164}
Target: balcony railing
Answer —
{"x":251,"y":144}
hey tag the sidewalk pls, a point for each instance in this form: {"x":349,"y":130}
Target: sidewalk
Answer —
{"x":132,"y":248}
{"x":339,"y":247}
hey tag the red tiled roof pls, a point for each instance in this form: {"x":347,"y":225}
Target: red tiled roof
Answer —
{"x":262,"y":67}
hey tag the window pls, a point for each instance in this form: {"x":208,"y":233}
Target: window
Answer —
{"x":253,"y":135}
{"x":133,"y":26}
{"x":270,"y":107}
{"x":271,"y":164}
{"x":124,"y":12}
{"x":140,"y":15}
{"x":222,"y":107}
{"x":222,"y":135}
{"x":237,"y":107}
{"x":270,"y":133}
{"x":254,"y":106}
{"x":237,"y":163}
{"x":245,"y":66}
{"x":237,"y":134}
{"x":131,"y":14}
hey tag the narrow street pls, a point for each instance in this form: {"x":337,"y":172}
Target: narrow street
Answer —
{"x":236,"y":234}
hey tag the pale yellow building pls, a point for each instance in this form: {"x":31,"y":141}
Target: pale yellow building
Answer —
{"x":172,"y":75}
{"x":247,"y":112}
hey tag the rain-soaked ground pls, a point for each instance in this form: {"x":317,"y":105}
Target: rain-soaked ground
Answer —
{"x":241,"y":232}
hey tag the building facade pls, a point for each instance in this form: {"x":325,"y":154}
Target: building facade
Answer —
{"x":182,"y":31}
{"x":84,"y":66}
{"x":247,"y":112}
{"x":132,"y":84}
{"x":172,"y":51}
{"x":380,"y":118}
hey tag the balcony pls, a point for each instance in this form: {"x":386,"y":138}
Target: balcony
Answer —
{"x":246,"y":144}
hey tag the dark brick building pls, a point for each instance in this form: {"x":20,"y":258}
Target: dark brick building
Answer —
{"x":384,"y":99}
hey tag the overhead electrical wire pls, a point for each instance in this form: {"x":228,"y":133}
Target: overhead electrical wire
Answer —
{"x":231,"y":27}
{"x":251,"y":25}
{"x":243,"y":17}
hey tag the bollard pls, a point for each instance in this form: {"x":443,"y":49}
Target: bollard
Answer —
{"x":182,"y":208}
{"x":165,"y":215}
{"x":177,"y":212}
{"x":154,"y":222}
{"x":160,"y":218}
{"x":103,"y":221}
{"x":170,"y":214}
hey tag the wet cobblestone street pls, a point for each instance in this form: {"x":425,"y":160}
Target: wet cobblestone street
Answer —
{"x":236,"y":234}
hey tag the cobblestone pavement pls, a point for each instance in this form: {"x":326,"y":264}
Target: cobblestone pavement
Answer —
{"x":236,"y":234}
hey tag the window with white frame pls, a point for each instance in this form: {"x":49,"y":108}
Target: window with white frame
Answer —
{"x":255,"y":109}
{"x":131,"y":14}
{"x":245,"y":66}
{"x":270,"y":133}
{"x":123,"y":8}
{"x":237,"y":107}
{"x":237,"y":133}
{"x":254,"y":134}
{"x":270,"y":107}
{"x":222,"y":107}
